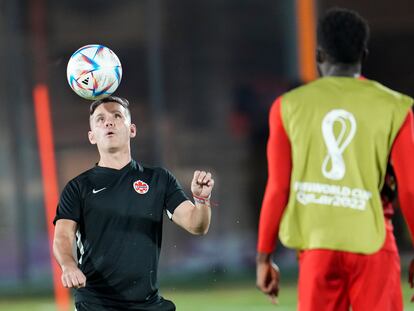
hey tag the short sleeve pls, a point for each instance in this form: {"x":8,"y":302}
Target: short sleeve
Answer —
{"x":174,"y":194}
{"x":69,"y":206}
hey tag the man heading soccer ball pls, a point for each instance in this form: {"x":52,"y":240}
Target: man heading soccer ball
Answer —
{"x":115,"y":211}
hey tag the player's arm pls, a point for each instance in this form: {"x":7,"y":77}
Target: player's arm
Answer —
{"x":403,"y":163}
{"x":195,"y":218}
{"x":63,"y":242}
{"x":274,"y":201}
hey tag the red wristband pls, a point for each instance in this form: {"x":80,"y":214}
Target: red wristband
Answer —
{"x":201,"y":200}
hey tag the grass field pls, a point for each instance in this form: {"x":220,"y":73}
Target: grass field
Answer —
{"x":243,"y":297}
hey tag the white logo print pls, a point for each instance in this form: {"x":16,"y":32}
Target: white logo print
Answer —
{"x":337,"y":145}
{"x":99,"y":190}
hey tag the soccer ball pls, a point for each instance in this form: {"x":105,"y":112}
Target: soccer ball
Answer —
{"x":94,"y":72}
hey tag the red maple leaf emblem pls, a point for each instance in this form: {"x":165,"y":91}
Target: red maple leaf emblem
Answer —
{"x":141,"y":187}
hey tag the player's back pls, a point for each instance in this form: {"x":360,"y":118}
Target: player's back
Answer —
{"x":341,"y":131}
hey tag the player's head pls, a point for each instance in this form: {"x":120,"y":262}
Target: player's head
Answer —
{"x":342,"y":37}
{"x":110,"y":123}
{"x":115,"y":99}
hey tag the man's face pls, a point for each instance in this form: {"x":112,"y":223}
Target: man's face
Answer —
{"x":111,"y":128}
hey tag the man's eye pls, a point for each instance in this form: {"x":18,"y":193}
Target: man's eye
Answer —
{"x":118,"y":115}
{"x":100,"y":119}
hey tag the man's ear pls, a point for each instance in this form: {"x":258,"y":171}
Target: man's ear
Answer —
{"x":320,"y":56}
{"x":91,"y":137}
{"x":132,"y":130}
{"x":365,"y":54}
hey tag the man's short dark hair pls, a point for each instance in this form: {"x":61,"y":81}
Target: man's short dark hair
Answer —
{"x":110,"y":99}
{"x":343,"y":34}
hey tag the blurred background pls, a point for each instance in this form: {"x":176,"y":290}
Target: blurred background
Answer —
{"x":200,"y":77}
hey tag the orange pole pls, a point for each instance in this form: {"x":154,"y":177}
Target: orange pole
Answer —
{"x":50,"y":184}
{"x":305,"y":16}
{"x":38,"y":17}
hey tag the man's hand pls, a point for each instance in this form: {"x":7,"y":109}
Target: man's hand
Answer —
{"x":411,"y":276}
{"x":72,"y":277}
{"x":267,"y":277}
{"x":202,"y":184}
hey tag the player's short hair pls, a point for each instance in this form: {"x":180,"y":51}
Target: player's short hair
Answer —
{"x":110,"y":99}
{"x":343,"y":34}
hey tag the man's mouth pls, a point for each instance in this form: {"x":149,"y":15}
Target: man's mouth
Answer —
{"x":110,"y":133}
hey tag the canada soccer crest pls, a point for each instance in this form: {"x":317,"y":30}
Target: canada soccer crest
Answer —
{"x":141,"y":187}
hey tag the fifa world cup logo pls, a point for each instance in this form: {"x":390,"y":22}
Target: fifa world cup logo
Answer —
{"x":333,"y":166}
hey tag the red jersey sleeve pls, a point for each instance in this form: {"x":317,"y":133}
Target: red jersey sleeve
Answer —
{"x":278,"y":183}
{"x":402,"y":157}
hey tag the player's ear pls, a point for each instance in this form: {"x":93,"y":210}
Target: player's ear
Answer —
{"x":91,"y":137}
{"x":320,"y":55}
{"x":132,"y":130}
{"x":365,"y":54}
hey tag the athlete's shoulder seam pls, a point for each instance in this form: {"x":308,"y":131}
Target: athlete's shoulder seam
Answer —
{"x":148,"y":167}
{"x":85,"y":174}
{"x":389,"y":91}
{"x":155,"y":169}
{"x":80,"y":179}
{"x":302,"y":88}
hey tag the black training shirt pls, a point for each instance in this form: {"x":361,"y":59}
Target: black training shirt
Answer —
{"x":119,"y":215}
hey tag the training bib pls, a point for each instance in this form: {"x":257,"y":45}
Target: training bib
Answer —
{"x":341,"y":132}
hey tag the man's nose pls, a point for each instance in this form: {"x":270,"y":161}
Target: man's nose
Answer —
{"x":109,"y":122}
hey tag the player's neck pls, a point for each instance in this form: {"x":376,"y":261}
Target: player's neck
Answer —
{"x":116,"y":160}
{"x":341,"y":70}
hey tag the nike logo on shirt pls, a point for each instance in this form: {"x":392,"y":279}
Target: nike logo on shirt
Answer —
{"x":99,"y":190}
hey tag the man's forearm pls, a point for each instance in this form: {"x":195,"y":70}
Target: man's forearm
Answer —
{"x":62,"y":249}
{"x":200,"y":216}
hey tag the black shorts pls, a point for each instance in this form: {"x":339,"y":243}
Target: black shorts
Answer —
{"x":162,"y":305}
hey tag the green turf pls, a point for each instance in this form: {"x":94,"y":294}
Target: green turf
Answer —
{"x":245,"y":298}
{"x":242,"y":297}
{"x":231,"y":299}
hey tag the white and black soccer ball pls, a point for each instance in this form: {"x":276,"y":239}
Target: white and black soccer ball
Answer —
{"x":94,"y":71}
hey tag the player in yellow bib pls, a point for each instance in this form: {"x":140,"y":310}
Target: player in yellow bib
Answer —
{"x":328,"y":149}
